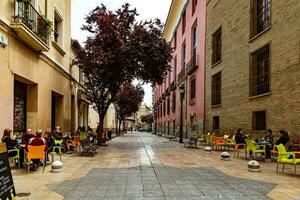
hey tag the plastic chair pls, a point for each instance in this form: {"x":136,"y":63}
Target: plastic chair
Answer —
{"x":255,"y":149}
{"x":219,"y":142}
{"x":35,"y":152}
{"x":75,"y":143}
{"x":16,"y":156}
{"x":230,"y":142}
{"x":209,"y":139}
{"x":57,"y":146}
{"x":83,"y":135}
{"x":285,"y":157}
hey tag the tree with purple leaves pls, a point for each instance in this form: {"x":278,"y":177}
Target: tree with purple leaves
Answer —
{"x":118,"y":50}
{"x":127,"y":102}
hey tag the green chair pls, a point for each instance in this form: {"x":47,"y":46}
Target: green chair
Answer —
{"x":285,"y":157}
{"x":230,"y":142}
{"x":83,"y":135}
{"x":209,"y":139}
{"x":254,"y":148}
{"x":16,"y":156}
{"x":56,"y":149}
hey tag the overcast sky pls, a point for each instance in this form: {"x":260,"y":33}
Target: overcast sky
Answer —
{"x":148,"y":9}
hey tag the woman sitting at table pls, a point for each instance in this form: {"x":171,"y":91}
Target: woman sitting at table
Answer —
{"x":284,"y":138}
{"x":239,"y":137}
{"x":10,"y":143}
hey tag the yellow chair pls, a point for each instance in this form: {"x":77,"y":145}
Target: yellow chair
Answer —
{"x":255,"y":149}
{"x":285,"y":157}
{"x":56,"y":149}
{"x":16,"y":156}
{"x":35,"y":152}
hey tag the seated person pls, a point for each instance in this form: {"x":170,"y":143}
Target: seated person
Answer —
{"x":26,"y":136}
{"x":37,"y":141}
{"x":269,"y":138}
{"x":10,"y":143}
{"x":284,"y":138}
{"x":239,"y":137}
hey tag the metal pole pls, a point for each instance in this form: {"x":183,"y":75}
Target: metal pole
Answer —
{"x":181,"y":119}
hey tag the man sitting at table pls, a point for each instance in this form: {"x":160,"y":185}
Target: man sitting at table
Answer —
{"x":37,"y":141}
{"x":269,"y":138}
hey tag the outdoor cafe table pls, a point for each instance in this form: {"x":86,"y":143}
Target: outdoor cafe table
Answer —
{"x":265,"y":144}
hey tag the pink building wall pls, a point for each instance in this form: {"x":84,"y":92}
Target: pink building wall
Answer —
{"x":195,"y":110}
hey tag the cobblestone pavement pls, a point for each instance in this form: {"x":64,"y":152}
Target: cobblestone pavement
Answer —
{"x":144,"y":166}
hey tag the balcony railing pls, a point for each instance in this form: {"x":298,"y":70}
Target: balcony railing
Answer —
{"x":32,"y":19}
{"x":181,"y":76}
{"x":192,"y":65}
{"x":173,"y":86}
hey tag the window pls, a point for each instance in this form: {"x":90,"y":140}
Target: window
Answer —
{"x":194,"y":5}
{"x":57,"y":28}
{"x":168,"y":106}
{"x":216,"y":90}
{"x":194,"y":46}
{"x":175,"y":67}
{"x":193,"y":89}
{"x":183,"y":56}
{"x":175,"y":40}
{"x":183,"y":22}
{"x":260,"y":16}
{"x":216,"y":46}
{"x":260,"y":72}
{"x":164,"y":108}
{"x":174,"y":103}
{"x":216,"y":123}
{"x":259,"y":120}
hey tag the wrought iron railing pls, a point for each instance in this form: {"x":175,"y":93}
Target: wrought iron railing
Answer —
{"x":31,"y":18}
{"x":181,"y":75}
{"x":173,"y":86}
{"x":192,"y":65}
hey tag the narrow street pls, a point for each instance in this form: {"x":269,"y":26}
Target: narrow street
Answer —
{"x":145,"y":166}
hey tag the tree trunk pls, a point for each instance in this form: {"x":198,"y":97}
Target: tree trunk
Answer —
{"x":100,"y":129}
{"x":120,"y":122}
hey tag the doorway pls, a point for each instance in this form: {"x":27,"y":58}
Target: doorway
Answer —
{"x":20,"y":106}
{"x":56,"y":110}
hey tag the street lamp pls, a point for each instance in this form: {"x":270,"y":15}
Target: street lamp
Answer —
{"x":181,"y":91}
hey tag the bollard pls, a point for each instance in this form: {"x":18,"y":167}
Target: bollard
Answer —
{"x":225,"y":156}
{"x":208,"y":149}
{"x":56,"y":167}
{"x":253,"y":166}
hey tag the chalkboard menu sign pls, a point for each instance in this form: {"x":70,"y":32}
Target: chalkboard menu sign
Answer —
{"x":7,"y":189}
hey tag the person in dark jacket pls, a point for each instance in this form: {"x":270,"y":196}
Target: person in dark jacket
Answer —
{"x":269,"y":138}
{"x":10,"y":143}
{"x":284,"y":138}
{"x":37,"y":141}
{"x":239,"y":137}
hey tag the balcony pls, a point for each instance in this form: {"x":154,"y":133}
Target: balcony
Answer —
{"x":181,"y":76}
{"x":168,"y":92}
{"x":192,"y":65}
{"x":173,"y":86}
{"x":31,"y":26}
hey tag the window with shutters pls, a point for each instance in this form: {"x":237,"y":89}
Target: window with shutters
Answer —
{"x":192,"y":90}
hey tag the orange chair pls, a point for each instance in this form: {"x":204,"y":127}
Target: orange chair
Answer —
{"x":36,"y":152}
{"x":75,"y":143}
{"x":219,"y":142}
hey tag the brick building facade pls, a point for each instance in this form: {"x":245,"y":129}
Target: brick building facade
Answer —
{"x":252,"y":65}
